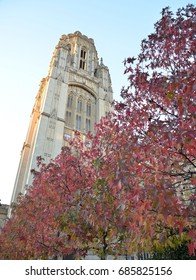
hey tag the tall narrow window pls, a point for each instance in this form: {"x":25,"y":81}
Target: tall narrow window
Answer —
{"x":78,"y":122}
{"x":79,"y":105}
{"x":83,"y":59}
{"x":88,"y":116}
{"x":69,"y":101}
{"x":88,"y":109}
{"x":88,"y":125}
{"x":68,"y":118}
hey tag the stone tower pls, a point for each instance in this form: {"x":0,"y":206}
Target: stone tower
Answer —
{"x":76,"y":93}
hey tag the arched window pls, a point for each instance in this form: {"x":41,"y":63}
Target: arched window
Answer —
{"x":83,"y":59}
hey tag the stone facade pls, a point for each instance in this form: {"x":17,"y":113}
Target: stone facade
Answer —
{"x":76,"y":93}
{"x":3,"y":214}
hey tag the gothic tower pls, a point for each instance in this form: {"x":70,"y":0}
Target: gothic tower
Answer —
{"x":76,"y":93}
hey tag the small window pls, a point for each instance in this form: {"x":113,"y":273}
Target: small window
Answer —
{"x":66,"y":136}
{"x":83,"y":59}
{"x":82,"y":64}
{"x":83,"y":54}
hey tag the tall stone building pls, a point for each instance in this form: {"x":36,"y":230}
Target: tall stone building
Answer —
{"x":76,"y":93}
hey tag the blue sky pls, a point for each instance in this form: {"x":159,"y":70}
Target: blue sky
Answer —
{"x":29,"y":32}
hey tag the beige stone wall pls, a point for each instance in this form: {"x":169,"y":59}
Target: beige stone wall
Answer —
{"x":3,"y":214}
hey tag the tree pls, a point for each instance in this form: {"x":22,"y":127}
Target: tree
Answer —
{"x":45,"y":222}
{"x":133,"y":188}
{"x":159,"y":105}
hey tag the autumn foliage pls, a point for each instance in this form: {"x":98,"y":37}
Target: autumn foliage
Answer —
{"x":131,"y":187}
